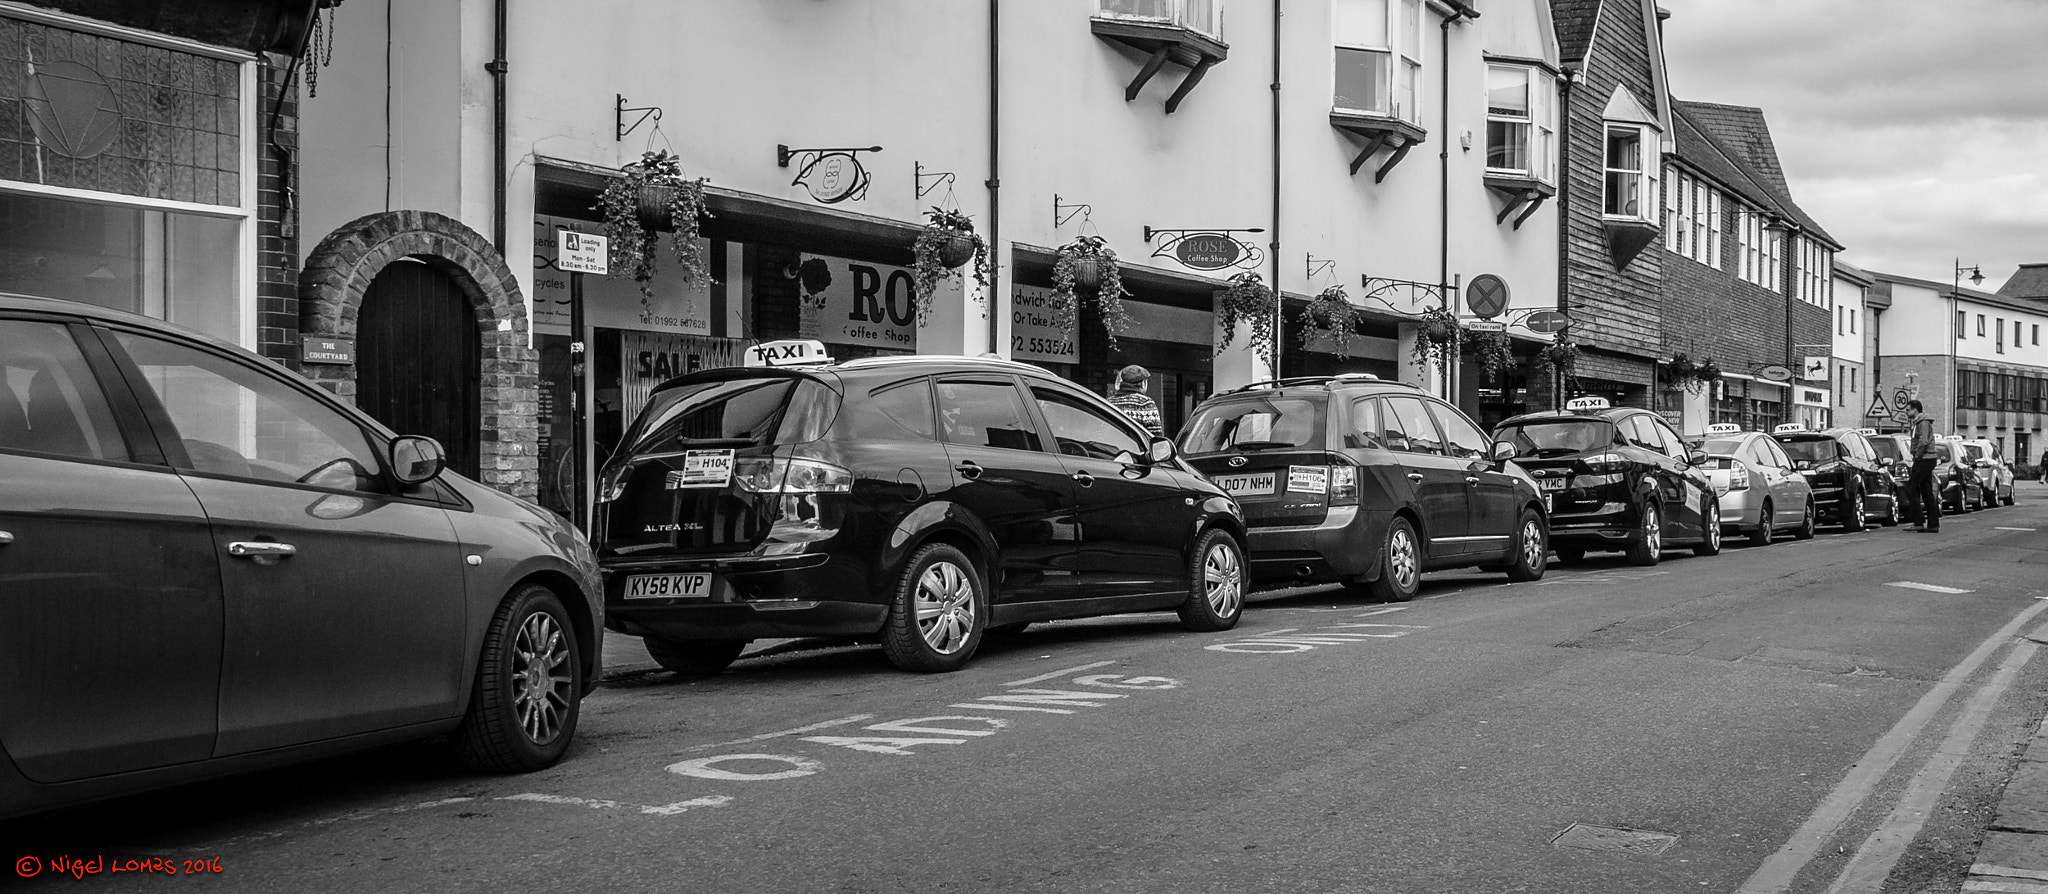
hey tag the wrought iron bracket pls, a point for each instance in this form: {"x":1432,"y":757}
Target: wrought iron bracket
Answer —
{"x":619,"y":126}
{"x":1315,"y":266}
{"x":938,"y":178}
{"x":1062,"y":212}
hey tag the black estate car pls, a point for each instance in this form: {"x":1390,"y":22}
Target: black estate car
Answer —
{"x":923,"y":501}
{"x":1353,"y":479}
{"x":1851,"y":484}
{"x":210,"y":565}
{"x":1617,"y":478}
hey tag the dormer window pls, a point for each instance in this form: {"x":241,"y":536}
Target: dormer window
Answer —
{"x":1186,"y":32}
{"x":1628,"y":179}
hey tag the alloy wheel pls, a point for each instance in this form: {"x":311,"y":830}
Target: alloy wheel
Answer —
{"x":1653,"y":531}
{"x":1714,"y":527}
{"x":540,"y":677}
{"x":1223,"y":580}
{"x":1403,"y":567}
{"x":945,"y":607}
{"x":1533,"y":548}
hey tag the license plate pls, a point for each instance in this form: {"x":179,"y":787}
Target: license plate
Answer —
{"x":1253,"y":485}
{"x":1551,"y":483}
{"x":669,"y":586}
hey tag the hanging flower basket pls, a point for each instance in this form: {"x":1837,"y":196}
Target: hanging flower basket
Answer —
{"x":1250,"y":301}
{"x":653,"y":195}
{"x":1563,"y":355}
{"x":1680,"y":371}
{"x":1330,"y":313}
{"x":1088,"y":256}
{"x":1437,"y":333}
{"x":1494,"y":350}
{"x":946,"y":244}
{"x":1706,"y":375}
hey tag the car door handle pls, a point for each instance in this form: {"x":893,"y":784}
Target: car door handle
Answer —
{"x":968,"y":470}
{"x":6,"y":538}
{"x":1086,"y":479}
{"x":1471,"y":480}
{"x":250,"y":549}
{"x":1414,"y":476}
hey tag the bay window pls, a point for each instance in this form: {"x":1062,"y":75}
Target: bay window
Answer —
{"x":1521,"y":124}
{"x":1378,"y":57}
{"x":1631,"y":186}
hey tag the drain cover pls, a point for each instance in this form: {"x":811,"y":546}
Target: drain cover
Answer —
{"x":1601,"y":838}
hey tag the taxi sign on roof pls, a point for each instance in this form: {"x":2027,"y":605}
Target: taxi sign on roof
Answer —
{"x":1866,"y":431}
{"x":1789,"y":427}
{"x":789,"y":352}
{"x":1577,"y":404}
{"x":1723,"y":428}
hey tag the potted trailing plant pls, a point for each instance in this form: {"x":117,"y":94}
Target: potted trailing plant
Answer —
{"x":1563,"y":354}
{"x":1247,"y":300}
{"x":1494,"y":350}
{"x":1329,"y":313}
{"x":1707,"y":374}
{"x":653,"y":195}
{"x":946,"y":244}
{"x":1436,"y":333}
{"x":1088,"y":264}
{"x":1680,"y":372}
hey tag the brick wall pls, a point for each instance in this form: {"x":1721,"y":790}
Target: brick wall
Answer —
{"x":277,"y":225}
{"x":1714,"y":313}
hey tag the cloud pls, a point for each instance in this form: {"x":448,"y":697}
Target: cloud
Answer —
{"x":1911,"y":130}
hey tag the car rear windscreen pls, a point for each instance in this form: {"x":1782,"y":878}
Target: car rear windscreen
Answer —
{"x":1541,"y":438}
{"x":1721,"y":447}
{"x":764,"y":412}
{"x":1808,"y":452}
{"x":1261,"y":423}
{"x":1887,"y":448}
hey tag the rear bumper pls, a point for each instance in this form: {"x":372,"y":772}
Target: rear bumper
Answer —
{"x":1336,"y":549}
{"x":817,"y":594}
{"x":1612,"y":526}
{"x":1742,"y":509}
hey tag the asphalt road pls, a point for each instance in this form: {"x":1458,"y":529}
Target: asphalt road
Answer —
{"x":1775,"y":719}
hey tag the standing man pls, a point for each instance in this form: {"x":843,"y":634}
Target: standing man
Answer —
{"x":2043,"y":468}
{"x":1130,"y":397}
{"x":1921,"y":484}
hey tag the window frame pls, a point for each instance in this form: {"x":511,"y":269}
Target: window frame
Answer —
{"x":1086,"y":404}
{"x":1400,"y":53}
{"x":1028,"y":413}
{"x":1539,"y":141}
{"x":1644,"y":174}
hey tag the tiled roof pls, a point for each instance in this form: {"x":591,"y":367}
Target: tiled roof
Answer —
{"x":1753,"y":174}
{"x":1574,"y":20}
{"x":2031,"y":281}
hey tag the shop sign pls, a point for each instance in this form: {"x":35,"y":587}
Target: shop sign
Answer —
{"x":850,"y":302}
{"x":1033,"y":337}
{"x":1816,"y":369}
{"x":1774,"y":373}
{"x":1208,"y":251}
{"x":582,"y":252}
{"x":651,"y":358}
{"x":336,"y":351}
{"x":614,"y":302}
{"x":1547,"y":321}
{"x":1813,"y":397}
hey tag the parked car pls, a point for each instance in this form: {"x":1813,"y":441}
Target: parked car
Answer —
{"x":209,"y":565}
{"x":1994,"y":474}
{"x":1368,"y":482}
{"x":1761,"y":493}
{"x":1851,"y":485}
{"x":1617,"y":478}
{"x":1957,"y":484}
{"x":925,"y":502}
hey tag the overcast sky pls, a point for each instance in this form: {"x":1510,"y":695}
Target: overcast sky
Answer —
{"x":1914,"y":131}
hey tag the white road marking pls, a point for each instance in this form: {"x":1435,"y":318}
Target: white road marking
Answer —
{"x":1057,"y":674}
{"x":707,"y":767}
{"x":2027,"y":530}
{"x":2002,"y":887}
{"x":1777,"y":873}
{"x":1931,"y":588}
{"x":600,"y":804}
{"x":828,"y":724}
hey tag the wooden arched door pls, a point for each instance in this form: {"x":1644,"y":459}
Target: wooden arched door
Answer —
{"x":418,"y":353}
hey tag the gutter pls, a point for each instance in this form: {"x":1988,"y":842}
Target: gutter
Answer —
{"x":995,"y":176}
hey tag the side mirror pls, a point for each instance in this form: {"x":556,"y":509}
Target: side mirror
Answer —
{"x":1161,"y":451}
{"x":415,"y":459}
{"x":1697,"y":457}
{"x":1884,"y":460}
{"x":1503,"y":451}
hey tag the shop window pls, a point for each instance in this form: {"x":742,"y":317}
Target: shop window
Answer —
{"x":172,"y":265}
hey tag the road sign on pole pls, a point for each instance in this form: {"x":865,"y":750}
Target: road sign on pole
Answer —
{"x":582,"y":252}
{"x":1877,"y":408}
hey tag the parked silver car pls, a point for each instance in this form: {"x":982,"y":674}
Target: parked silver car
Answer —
{"x":1761,"y":493}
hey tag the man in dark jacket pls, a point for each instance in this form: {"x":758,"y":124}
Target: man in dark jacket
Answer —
{"x":1922,"y":485}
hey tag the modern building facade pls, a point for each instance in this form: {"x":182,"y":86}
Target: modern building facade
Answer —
{"x":1973,"y":358}
{"x":467,"y":135}
{"x":1856,"y":403}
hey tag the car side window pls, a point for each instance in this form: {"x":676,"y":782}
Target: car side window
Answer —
{"x":1639,"y":433}
{"x":1462,"y":439}
{"x":1365,"y":425}
{"x":908,"y":406}
{"x":237,"y":421}
{"x":49,"y":400}
{"x":984,"y":414}
{"x":1082,"y":430}
{"x":1416,"y":433}
{"x":1779,"y":457}
{"x":1674,"y":444}
{"x":1760,"y":454}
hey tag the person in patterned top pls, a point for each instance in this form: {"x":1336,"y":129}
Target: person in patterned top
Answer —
{"x":1130,"y":397}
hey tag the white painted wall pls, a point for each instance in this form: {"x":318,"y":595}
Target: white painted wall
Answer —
{"x":1848,"y":344}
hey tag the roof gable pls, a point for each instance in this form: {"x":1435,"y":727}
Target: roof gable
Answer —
{"x":1762,"y":185}
{"x":1575,"y":20}
{"x":1742,"y":129}
{"x":2030,"y":281}
{"x":1623,"y":105}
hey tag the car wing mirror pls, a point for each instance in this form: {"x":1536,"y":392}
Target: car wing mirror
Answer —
{"x":1697,"y":457}
{"x":1503,"y":451}
{"x":415,"y":459}
{"x":1161,"y":451}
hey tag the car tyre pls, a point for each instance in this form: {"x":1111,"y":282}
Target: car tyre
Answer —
{"x":1806,"y":525}
{"x":1711,"y":544}
{"x":1853,"y":519}
{"x":1891,"y":514}
{"x":1648,"y":545}
{"x":1531,"y":549}
{"x":1400,"y":576}
{"x":529,"y":687}
{"x":693,"y":657}
{"x":1216,"y":583}
{"x":938,"y":612}
{"x":1766,"y":527}
{"x":2008,"y":498}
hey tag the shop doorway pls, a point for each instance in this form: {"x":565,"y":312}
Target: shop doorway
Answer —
{"x":418,"y":359}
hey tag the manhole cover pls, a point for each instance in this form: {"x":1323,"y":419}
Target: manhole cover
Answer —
{"x":1601,"y":838}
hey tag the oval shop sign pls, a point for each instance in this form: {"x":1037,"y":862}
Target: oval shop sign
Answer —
{"x":1208,"y":251}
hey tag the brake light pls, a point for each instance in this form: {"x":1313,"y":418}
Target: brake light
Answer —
{"x":784,"y":476}
{"x":611,"y":484}
{"x":1343,"y":485}
{"x":1738,"y":476}
{"x":1606,"y":463}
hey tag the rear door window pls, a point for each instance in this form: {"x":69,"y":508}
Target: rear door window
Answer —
{"x":1409,"y":429}
{"x":1258,"y":423}
{"x":1082,"y":430}
{"x":49,"y":400}
{"x":985,"y":414}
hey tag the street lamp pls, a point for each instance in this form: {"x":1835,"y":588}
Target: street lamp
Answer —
{"x":1955,"y":333}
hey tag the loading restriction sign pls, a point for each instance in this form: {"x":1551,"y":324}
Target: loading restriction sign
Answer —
{"x":1487,"y":296}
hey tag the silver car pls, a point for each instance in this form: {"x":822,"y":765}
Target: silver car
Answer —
{"x":1760,"y":492}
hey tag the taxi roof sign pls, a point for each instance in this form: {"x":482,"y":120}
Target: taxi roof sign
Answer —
{"x":1723,"y":428}
{"x":1577,"y":404}
{"x":1866,"y":431}
{"x":1789,"y":427}
{"x":789,"y":352}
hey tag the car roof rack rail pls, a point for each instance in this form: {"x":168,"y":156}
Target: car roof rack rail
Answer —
{"x":1291,"y":381}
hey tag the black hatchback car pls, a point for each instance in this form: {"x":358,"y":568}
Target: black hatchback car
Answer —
{"x":1852,"y":485}
{"x":1616,"y":478}
{"x":1354,"y":479}
{"x":923,"y":501}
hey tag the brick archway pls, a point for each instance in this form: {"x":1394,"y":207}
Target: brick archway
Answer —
{"x":339,"y":271}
